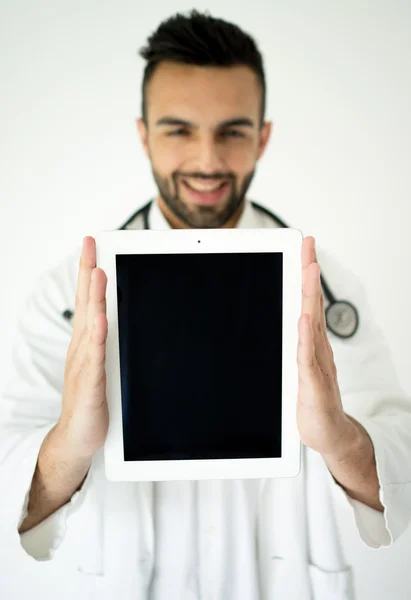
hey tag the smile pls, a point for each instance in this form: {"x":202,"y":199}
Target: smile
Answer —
{"x":204,"y":186}
{"x":206,"y":193}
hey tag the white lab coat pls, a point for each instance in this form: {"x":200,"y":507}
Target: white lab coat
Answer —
{"x":215,"y":540}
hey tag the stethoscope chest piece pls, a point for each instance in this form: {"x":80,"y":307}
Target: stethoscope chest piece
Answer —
{"x":342,"y":318}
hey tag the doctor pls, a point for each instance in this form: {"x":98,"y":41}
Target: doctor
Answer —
{"x":203,"y":130}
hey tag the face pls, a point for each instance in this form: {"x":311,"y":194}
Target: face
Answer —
{"x":203,"y":139}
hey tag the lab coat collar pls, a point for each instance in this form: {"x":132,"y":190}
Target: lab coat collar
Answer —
{"x":248,"y":219}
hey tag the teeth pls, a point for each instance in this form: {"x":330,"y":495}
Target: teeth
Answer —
{"x":204,"y":187}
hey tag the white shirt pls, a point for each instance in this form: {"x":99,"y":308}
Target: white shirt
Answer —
{"x":215,"y":540}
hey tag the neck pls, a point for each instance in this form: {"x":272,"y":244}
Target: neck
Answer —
{"x":177,"y":223}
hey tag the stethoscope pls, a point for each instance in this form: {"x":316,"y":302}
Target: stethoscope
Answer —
{"x":341,"y":316}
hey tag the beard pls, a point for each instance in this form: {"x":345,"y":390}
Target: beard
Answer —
{"x":202,"y":217}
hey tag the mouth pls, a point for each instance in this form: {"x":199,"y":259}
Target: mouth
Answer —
{"x":205,"y":192}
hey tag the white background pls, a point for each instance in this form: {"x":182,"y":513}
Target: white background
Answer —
{"x":338,"y":165}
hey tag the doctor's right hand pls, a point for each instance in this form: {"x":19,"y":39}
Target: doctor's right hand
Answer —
{"x":83,"y":421}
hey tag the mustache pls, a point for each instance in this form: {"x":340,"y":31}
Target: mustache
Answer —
{"x":213,"y":176}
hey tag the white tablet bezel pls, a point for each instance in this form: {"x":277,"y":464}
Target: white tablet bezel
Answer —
{"x":288,"y":241}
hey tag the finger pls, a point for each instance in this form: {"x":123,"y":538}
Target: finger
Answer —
{"x":97,"y":348}
{"x":316,"y":389}
{"x":311,"y":299}
{"x":86,"y":266}
{"x":322,"y":309}
{"x":308,"y":254}
{"x":93,"y":372}
{"x":313,"y":302}
{"x":97,"y":296}
{"x":306,"y":358}
{"x":323,"y":350}
{"x":321,"y":295}
{"x":322,"y":326}
{"x":99,"y":330}
{"x":311,"y":295}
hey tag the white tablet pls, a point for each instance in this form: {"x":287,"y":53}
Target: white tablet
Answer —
{"x":202,"y":376}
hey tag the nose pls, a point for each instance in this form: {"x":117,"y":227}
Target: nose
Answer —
{"x":208,"y":155}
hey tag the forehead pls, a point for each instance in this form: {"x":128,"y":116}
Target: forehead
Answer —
{"x":203,"y":94}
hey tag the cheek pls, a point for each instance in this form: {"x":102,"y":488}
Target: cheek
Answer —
{"x":166,"y":157}
{"x":242,"y":159}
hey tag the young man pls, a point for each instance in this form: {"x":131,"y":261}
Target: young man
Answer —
{"x":204,"y":131}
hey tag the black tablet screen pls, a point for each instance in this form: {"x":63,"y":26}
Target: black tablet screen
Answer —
{"x":200,"y":339}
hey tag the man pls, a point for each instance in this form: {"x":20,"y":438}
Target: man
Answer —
{"x":203,"y":130}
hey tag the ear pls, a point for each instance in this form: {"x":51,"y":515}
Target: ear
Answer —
{"x":142,"y":131}
{"x":265,"y":134}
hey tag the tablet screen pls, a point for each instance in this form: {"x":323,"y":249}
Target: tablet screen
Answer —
{"x":200,"y":339}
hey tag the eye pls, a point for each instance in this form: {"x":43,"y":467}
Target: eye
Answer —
{"x":233,"y":133}
{"x":180,"y":131}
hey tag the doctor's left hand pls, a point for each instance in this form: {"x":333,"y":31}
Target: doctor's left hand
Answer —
{"x":322,"y":422}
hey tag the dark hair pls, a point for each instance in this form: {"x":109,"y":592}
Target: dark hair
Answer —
{"x":200,"y":39}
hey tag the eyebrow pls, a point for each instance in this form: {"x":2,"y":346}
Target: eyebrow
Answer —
{"x":237,"y":122}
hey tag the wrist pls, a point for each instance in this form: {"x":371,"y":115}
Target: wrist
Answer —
{"x":63,"y":450}
{"x":347,"y":442}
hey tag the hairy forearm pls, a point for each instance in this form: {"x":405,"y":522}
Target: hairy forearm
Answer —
{"x":353,"y":466}
{"x":57,"y":476}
